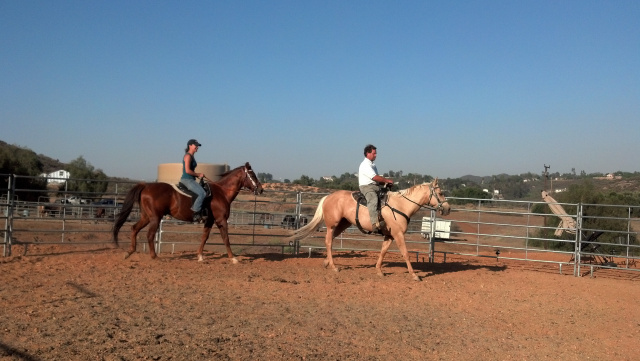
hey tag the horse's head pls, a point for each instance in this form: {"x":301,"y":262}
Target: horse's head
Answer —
{"x":437,"y":200}
{"x":251,"y":182}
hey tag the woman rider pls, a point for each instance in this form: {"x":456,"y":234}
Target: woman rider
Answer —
{"x":189,"y":176}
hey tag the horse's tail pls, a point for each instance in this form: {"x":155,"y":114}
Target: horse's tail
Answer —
{"x":311,"y":226}
{"x":130,"y":200}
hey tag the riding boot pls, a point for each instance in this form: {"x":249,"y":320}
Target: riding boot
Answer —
{"x":197,"y":217}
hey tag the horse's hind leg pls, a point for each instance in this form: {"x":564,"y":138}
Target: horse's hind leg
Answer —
{"x":328,"y":240}
{"x":333,"y":232}
{"x":135,"y":229}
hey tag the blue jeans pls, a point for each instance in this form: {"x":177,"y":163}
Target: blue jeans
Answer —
{"x":196,"y":188}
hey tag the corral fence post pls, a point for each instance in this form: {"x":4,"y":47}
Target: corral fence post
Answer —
{"x":8,"y":215}
{"x":432,"y":238}
{"x":158,"y":237}
{"x":578,"y":243}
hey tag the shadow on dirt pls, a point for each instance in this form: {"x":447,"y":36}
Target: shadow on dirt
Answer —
{"x":431,"y":269}
{"x":57,"y":249}
{"x":16,"y":353}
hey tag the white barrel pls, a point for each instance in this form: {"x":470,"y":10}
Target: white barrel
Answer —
{"x":171,"y":172}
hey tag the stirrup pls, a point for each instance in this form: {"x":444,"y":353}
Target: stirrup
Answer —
{"x":375,"y":230}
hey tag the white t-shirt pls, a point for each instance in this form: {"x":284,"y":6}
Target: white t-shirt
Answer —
{"x":366,"y":172}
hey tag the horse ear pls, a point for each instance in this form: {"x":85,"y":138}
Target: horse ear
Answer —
{"x":435,"y":181}
{"x":247,"y":165}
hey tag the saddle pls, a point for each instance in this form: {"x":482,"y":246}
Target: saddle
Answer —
{"x":362,"y":201}
{"x":184,"y":190}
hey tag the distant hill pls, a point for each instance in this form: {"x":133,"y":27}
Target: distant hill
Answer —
{"x":606,"y":185}
{"x":48,"y":164}
{"x":616,"y":185}
{"x":472,"y":178}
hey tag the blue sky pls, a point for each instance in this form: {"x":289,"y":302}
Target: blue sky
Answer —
{"x":444,"y":88}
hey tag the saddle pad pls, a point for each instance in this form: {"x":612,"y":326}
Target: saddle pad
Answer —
{"x":175,"y":187}
{"x":180,"y":188}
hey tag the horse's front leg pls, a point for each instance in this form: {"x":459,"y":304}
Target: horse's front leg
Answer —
{"x":403,"y":250}
{"x":224,"y":233}
{"x":385,"y":247}
{"x":203,"y":241}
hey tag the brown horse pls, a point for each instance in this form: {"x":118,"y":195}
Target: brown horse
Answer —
{"x":159,"y":199}
{"x":339,"y":212}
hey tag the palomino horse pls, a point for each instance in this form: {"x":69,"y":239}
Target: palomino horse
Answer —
{"x":159,"y":199}
{"x":339,"y":212}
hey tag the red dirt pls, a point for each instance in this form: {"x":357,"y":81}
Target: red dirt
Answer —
{"x":93,"y":305}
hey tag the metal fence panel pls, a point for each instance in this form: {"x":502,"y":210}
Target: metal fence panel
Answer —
{"x":602,"y":236}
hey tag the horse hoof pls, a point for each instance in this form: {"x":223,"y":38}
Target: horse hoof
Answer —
{"x":126,"y":255}
{"x":234,"y":260}
{"x":200,"y":258}
{"x":325,"y":263}
{"x":416,"y":278}
{"x":336,"y":269}
{"x":380,"y":274}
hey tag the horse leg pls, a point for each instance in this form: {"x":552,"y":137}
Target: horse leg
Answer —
{"x":224,"y":233}
{"x":333,"y":232}
{"x":151,"y":237}
{"x":328,"y":240}
{"x":403,"y":250}
{"x":135,"y":229}
{"x":385,"y":247}
{"x":203,"y":240}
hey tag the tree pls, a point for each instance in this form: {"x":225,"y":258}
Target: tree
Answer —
{"x":304,"y":180}
{"x":347,"y":177}
{"x":25,"y":164}
{"x":85,"y":178}
{"x":19,"y":161}
{"x":265,"y":177}
{"x":469,"y":192}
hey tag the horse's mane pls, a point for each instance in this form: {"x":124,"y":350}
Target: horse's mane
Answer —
{"x":232,"y":170}
{"x":407,"y":192}
{"x":229,"y":171}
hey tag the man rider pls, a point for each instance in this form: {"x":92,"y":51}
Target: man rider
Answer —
{"x":370,"y":182}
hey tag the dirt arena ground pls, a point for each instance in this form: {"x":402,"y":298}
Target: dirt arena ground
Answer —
{"x":90,"y":304}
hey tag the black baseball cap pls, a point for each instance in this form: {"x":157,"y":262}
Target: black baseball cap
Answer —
{"x":193,"y":141}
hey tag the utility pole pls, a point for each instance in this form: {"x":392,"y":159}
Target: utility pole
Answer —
{"x":546,"y":175}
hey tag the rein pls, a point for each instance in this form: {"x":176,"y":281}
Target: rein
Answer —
{"x":431,"y":195}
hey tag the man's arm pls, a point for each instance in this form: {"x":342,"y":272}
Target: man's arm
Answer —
{"x":381,"y":179}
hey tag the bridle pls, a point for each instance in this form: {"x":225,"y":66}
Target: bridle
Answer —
{"x":255,"y":186}
{"x":433,"y":192}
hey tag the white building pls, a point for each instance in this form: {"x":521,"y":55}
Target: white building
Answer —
{"x":59,"y":176}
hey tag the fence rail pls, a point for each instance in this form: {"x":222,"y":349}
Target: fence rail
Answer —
{"x":81,"y":212}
